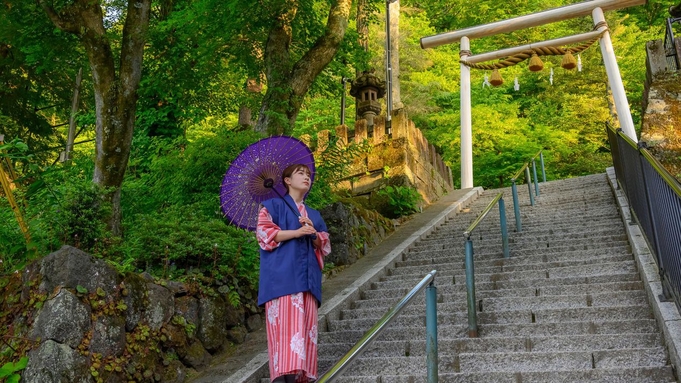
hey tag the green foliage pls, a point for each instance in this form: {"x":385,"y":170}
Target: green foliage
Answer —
{"x":9,"y":370}
{"x":180,"y":239}
{"x":332,"y":166}
{"x":400,"y":200}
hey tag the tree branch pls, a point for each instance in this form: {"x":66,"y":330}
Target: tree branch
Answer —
{"x":319,"y":56}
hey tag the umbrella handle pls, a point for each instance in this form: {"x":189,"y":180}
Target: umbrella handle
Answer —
{"x":269,"y":183}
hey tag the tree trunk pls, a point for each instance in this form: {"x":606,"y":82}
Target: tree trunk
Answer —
{"x":287,"y":83}
{"x":115,"y":96}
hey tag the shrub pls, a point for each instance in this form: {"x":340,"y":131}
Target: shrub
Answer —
{"x":397,"y":201}
{"x":181,"y":240}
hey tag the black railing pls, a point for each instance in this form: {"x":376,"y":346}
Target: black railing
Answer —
{"x":655,"y":199}
{"x":670,"y":47}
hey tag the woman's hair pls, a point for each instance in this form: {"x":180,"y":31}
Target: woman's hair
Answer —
{"x":292,"y":169}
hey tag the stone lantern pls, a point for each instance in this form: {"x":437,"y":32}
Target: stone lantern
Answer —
{"x":367,"y":89}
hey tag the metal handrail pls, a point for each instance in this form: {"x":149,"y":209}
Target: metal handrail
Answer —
{"x":470,"y":264}
{"x":517,"y":174}
{"x":371,"y":335}
{"x":482,"y":216}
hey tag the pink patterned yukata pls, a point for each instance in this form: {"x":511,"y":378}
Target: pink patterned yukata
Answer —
{"x":291,"y":320}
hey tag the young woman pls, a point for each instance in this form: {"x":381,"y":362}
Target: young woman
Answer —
{"x":292,"y":249}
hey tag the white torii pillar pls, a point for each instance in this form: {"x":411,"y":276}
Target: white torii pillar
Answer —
{"x":614,"y":77}
{"x":593,"y":7}
{"x":466,"y":118}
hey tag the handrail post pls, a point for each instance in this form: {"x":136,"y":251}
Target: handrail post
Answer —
{"x":543,"y":171}
{"x":534,"y":174}
{"x":431,"y":333}
{"x":529,"y":184}
{"x":516,"y":207}
{"x":504,"y":230}
{"x":470,"y":290}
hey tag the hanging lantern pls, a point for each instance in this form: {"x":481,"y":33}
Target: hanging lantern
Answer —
{"x":535,"y":63}
{"x":569,"y":61}
{"x":496,"y":79}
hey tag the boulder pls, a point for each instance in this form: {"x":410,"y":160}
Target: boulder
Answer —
{"x":212,"y":325}
{"x":237,"y":334}
{"x":135,"y":298}
{"x":64,"y":319}
{"x":69,"y":267}
{"x":195,"y":355}
{"x":160,"y":308}
{"x":254,"y":322}
{"x":175,"y":372}
{"x":54,"y":362}
{"x":188,"y":308}
{"x":108,"y":336}
{"x":234,"y":315}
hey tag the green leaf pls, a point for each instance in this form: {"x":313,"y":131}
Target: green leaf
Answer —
{"x":81,"y":290}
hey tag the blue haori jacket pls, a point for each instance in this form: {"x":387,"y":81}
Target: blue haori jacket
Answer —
{"x":292,"y":267}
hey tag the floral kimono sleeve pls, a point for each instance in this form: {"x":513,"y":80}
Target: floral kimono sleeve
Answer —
{"x":266,"y":231}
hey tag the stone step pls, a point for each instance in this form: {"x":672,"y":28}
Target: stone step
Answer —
{"x":520,"y":316}
{"x":457,"y":293}
{"x":519,"y":247}
{"x":510,"y":362}
{"x":457,"y":302}
{"x":618,"y":375}
{"x":495,"y":251}
{"x":556,"y":272}
{"x":489,"y":266}
{"x":535,"y":221}
{"x":548,"y":361}
{"x":417,"y":347}
{"x":351,"y":331}
{"x":412,"y":280}
{"x":481,"y":260}
{"x":613,"y":226}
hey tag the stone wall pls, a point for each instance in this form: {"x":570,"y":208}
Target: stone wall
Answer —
{"x":93,"y":324}
{"x":661,"y":114}
{"x":404,"y":158}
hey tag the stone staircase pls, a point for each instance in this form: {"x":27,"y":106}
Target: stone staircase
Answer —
{"x":568,"y":306}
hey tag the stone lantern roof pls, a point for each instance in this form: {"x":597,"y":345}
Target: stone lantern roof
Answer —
{"x":366,"y":81}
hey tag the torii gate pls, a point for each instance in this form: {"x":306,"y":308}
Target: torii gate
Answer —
{"x":463,"y":36}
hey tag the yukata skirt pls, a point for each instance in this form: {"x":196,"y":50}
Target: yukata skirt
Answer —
{"x":292,"y":336}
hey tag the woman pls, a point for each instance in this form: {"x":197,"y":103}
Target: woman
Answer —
{"x":292,"y":248}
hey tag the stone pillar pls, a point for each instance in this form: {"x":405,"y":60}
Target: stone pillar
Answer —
{"x":342,"y":133}
{"x":360,"y":130}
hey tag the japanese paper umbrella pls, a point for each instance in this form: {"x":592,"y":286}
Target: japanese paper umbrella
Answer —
{"x":255,"y":176}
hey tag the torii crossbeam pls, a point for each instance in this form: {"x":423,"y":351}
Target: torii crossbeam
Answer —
{"x":595,"y":8}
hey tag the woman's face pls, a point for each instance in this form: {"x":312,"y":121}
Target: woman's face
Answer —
{"x":299,"y":180}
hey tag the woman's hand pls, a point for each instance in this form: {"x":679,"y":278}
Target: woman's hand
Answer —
{"x":305,"y":221}
{"x":306,"y":230}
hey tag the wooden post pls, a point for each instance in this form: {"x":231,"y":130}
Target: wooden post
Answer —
{"x":72,"y":120}
{"x":4,"y":180}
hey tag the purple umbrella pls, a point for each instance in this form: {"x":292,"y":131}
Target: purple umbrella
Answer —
{"x":255,"y":176}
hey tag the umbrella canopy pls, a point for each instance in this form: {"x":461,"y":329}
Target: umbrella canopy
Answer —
{"x":255,"y":176}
